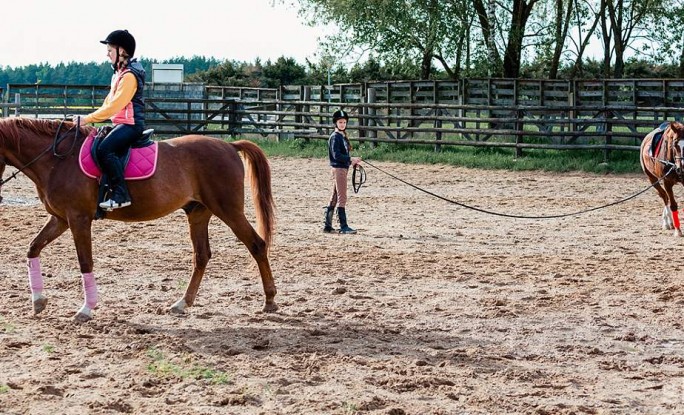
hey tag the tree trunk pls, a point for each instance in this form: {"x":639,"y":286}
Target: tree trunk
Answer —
{"x":512,"y":57}
{"x":606,"y":36}
{"x":488,"y":35}
{"x":616,"y":26}
{"x":562,"y":25}
{"x":577,"y":67}
{"x":426,"y":64}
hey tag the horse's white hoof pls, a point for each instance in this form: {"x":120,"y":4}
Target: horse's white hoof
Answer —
{"x":179,"y":307}
{"x":39,"y":303}
{"x":84,"y":314}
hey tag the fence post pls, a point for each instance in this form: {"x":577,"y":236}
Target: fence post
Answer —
{"x":438,"y":124}
{"x":232,"y":118}
{"x":572,"y":114}
{"x":306,"y":108}
{"x":519,"y":130}
{"x":17,"y":104}
{"x":609,"y":135}
{"x":372,"y":134}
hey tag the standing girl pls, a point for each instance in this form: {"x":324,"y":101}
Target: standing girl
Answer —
{"x":339,"y":149}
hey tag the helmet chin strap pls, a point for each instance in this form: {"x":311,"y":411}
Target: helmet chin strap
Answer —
{"x":117,"y":64}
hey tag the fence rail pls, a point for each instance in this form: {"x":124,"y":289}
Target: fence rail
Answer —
{"x":520,"y":114}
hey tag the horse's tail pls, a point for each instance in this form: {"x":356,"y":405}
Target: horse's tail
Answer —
{"x":259,"y":172}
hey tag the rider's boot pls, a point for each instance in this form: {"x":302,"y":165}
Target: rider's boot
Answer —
{"x":118,"y":197}
{"x":344,"y":228}
{"x":329,"y":212}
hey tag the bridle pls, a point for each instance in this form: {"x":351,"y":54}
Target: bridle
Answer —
{"x":55,"y":142}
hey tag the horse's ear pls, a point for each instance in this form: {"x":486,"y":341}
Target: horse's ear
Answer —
{"x":678,"y":128}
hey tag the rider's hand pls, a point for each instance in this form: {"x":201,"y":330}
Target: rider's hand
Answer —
{"x":355,"y":160}
{"x":77,"y":119}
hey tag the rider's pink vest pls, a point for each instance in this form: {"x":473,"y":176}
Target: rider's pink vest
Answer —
{"x":126,"y":115}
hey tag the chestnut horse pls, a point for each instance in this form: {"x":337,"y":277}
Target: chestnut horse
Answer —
{"x":662,"y":164}
{"x":203,"y":176}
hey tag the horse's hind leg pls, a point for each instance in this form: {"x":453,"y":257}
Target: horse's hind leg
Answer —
{"x":198,"y":219}
{"x":52,"y":229}
{"x":257,"y":247}
{"x":665,"y":196}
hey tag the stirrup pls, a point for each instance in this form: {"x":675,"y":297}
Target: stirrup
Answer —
{"x":111,"y":204}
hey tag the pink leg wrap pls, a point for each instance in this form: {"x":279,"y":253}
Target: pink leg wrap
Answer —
{"x":675,"y":218}
{"x":90,"y":289}
{"x":35,"y":277}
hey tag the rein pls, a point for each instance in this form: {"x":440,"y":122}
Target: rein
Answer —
{"x":357,"y":183}
{"x":489,"y":212}
{"x":55,"y":142}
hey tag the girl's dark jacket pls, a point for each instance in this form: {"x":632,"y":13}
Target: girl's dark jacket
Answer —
{"x":338,"y":151}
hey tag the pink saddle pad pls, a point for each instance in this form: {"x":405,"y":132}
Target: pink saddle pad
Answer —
{"x":141,"y":164}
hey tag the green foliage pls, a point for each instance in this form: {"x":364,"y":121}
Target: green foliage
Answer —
{"x":284,"y":71}
{"x":90,"y":73}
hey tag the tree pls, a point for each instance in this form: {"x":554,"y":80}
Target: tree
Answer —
{"x":391,"y":29}
{"x":623,"y":23}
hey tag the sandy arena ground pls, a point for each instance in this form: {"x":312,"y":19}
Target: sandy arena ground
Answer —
{"x":430,"y":309}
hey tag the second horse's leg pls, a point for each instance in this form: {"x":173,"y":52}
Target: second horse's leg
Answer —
{"x":52,"y":229}
{"x":673,"y":209}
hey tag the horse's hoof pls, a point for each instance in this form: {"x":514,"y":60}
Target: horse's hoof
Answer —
{"x":82,"y":317}
{"x":39,"y":305}
{"x":178,"y":307}
{"x":677,"y":232}
{"x":84,"y":314}
{"x":270,"y":308}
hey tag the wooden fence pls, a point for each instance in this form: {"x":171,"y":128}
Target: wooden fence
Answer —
{"x":520,"y":114}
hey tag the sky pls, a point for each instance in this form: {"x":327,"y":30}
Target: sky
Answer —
{"x":54,"y":31}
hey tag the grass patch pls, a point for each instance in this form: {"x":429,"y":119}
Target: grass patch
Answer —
{"x":6,"y":326}
{"x":4,"y":388}
{"x":490,"y":158}
{"x":164,"y":368}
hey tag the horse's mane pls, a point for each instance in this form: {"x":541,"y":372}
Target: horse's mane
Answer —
{"x":11,"y":128}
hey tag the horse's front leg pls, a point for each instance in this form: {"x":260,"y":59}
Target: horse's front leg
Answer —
{"x":673,"y":210}
{"x":81,"y":231}
{"x":52,"y":229}
{"x":667,"y":218}
{"x":198,"y":219}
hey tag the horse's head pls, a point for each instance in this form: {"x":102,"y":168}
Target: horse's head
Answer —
{"x":675,"y":136}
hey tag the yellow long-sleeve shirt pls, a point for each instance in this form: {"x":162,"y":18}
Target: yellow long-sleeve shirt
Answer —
{"x":117,"y":99}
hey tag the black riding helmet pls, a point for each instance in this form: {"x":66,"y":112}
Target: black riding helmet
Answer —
{"x":340,"y":114}
{"x":122,"y":39}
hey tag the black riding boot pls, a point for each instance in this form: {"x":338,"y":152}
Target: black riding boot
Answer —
{"x":344,"y":228}
{"x":118,"y":196}
{"x":329,"y":212}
